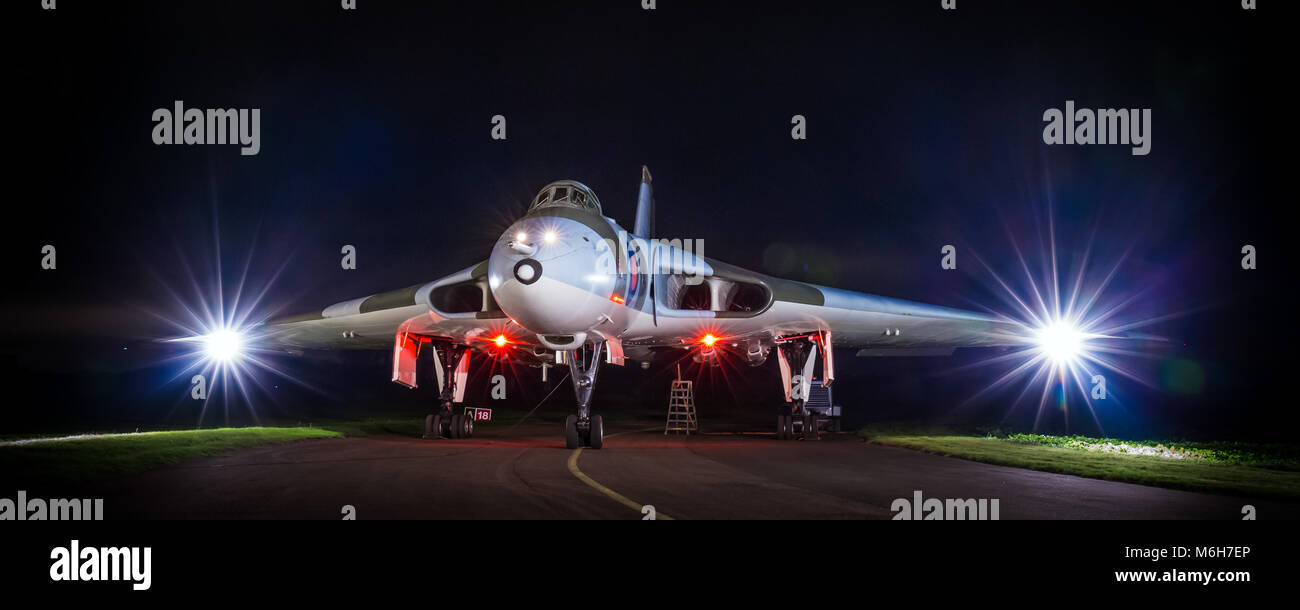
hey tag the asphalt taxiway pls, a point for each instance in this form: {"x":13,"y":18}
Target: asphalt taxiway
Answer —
{"x":526,"y":473}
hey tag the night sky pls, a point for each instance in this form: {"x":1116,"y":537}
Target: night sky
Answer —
{"x":924,"y":129}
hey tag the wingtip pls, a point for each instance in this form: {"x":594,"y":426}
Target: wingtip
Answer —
{"x":645,"y":175}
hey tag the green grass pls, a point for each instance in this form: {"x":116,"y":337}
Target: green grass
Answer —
{"x":95,"y":459}
{"x":1244,"y":469}
{"x":1267,"y":455}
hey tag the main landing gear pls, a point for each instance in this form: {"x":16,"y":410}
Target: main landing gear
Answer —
{"x":584,"y":429}
{"x":446,"y":422}
{"x":796,"y":360}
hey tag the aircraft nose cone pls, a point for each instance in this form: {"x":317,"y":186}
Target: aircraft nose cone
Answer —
{"x":545,"y":273}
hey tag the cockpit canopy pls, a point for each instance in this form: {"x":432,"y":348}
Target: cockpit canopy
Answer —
{"x":566,"y":193}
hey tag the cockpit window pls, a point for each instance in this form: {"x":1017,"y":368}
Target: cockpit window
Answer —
{"x":566,"y":193}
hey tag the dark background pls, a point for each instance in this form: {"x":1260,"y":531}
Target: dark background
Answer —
{"x":924,"y":129}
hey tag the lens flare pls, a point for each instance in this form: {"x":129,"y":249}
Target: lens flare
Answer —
{"x":1061,"y":341}
{"x":217,"y":325}
{"x":224,"y":345}
{"x":1079,"y":342}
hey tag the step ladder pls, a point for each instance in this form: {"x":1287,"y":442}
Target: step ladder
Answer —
{"x":681,"y":408}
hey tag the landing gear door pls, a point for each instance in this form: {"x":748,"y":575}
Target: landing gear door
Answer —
{"x":784,"y":365}
{"x":461,"y":376}
{"x":437,"y":368}
{"x":828,"y":359}
{"x":614,"y":352}
{"x":406,"y":352}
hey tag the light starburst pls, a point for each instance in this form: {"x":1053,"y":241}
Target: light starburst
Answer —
{"x":1079,"y":340}
{"x":222,"y":336}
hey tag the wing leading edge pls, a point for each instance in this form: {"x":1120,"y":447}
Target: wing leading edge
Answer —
{"x":745,"y":304}
{"x":458,"y":307}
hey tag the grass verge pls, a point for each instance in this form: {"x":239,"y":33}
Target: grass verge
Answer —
{"x":1243,"y":469}
{"x":96,"y":458}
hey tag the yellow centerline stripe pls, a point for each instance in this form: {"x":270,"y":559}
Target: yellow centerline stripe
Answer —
{"x":622,"y":499}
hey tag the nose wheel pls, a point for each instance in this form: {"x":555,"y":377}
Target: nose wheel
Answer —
{"x":596,"y":433}
{"x":576,"y":434}
{"x":572,"y":439}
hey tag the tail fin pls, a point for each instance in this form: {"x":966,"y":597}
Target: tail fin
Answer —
{"x":645,"y":207}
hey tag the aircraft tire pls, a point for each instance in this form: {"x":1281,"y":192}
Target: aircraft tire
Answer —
{"x":596,"y":434}
{"x":571,"y":432}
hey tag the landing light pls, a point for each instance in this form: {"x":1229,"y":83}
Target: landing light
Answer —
{"x":500,"y":340}
{"x":709,"y":340}
{"x":549,"y":237}
{"x":521,"y":237}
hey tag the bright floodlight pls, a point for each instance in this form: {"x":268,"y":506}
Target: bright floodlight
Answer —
{"x":1060,"y":341}
{"x":223,"y":345}
{"x":549,"y":237}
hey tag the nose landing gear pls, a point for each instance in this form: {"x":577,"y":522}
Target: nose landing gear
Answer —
{"x":584,"y":429}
